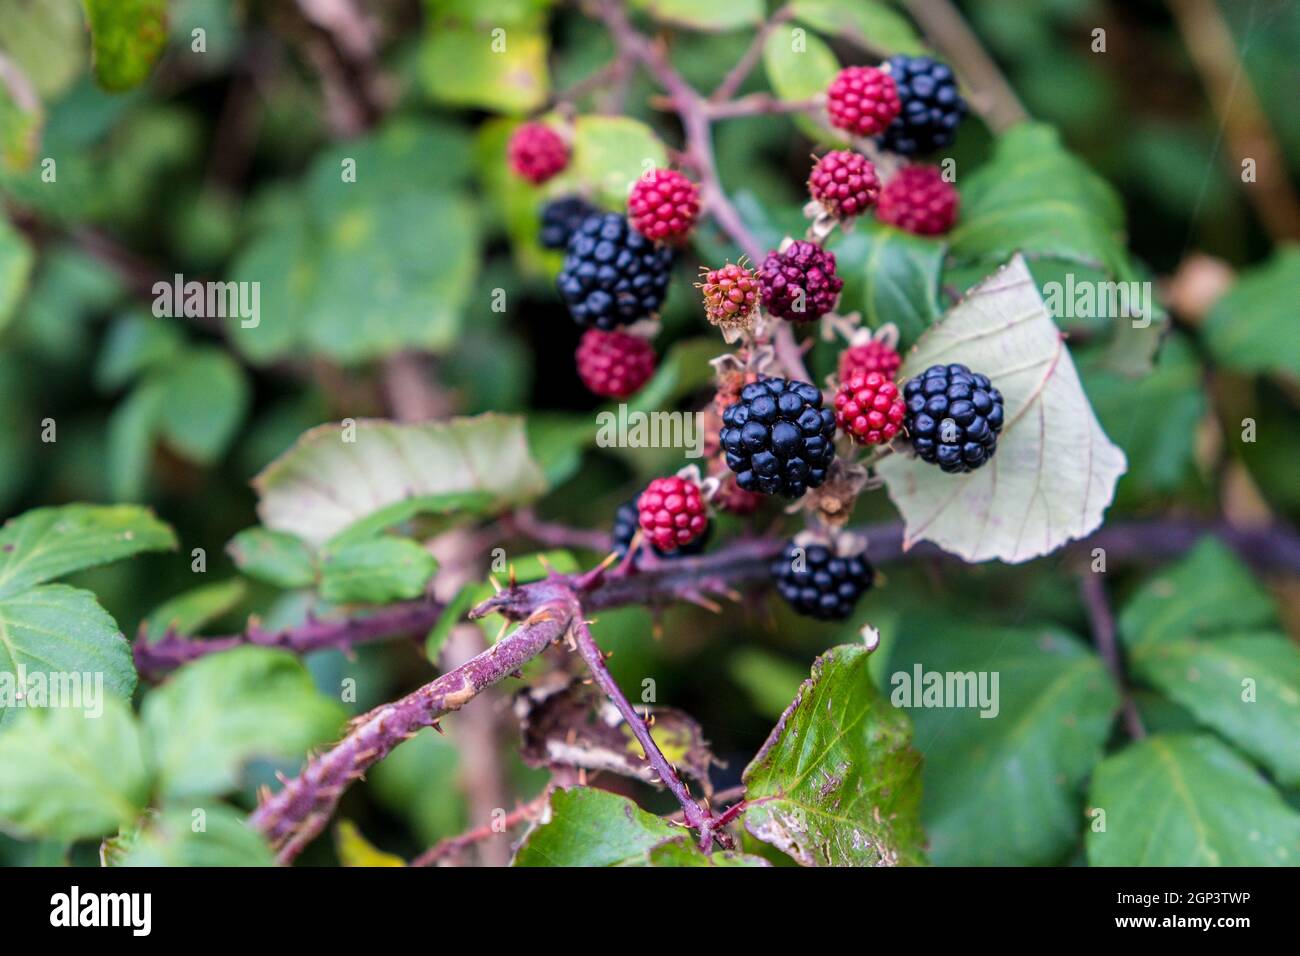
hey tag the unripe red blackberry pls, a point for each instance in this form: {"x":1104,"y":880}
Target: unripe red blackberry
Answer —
{"x":845,"y":183}
{"x":672,"y":513}
{"x":873,"y":356}
{"x":869,"y":408}
{"x":799,"y":284}
{"x":663,"y":205}
{"x":537,"y":152}
{"x":862,"y":100}
{"x":730,"y":295}
{"x":614,"y":364}
{"x":918,"y":200}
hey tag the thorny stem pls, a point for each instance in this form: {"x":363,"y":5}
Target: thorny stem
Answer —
{"x":696,"y":816}
{"x":1102,"y":620}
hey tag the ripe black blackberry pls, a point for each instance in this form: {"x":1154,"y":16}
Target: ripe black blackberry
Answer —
{"x":778,"y":438}
{"x":953,"y":417}
{"x":627,"y":520}
{"x":560,"y":217}
{"x":612,"y":274}
{"x":932,"y":109}
{"x":818,"y":583}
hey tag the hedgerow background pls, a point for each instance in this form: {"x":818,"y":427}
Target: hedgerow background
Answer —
{"x":217,"y":155}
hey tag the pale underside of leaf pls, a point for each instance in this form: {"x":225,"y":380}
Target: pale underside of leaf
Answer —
{"x":1054,"y":472}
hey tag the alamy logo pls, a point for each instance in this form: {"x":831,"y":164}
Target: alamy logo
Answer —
{"x":943,"y":689}
{"x":634,"y":429}
{"x":133,"y":910}
{"x":1086,"y":299}
{"x":70,"y":690}
{"x":209,"y":300}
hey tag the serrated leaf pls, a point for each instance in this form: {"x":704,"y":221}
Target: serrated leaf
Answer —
{"x":1004,"y":789}
{"x":70,"y":775}
{"x":1252,"y":328}
{"x":180,"y":836}
{"x":1190,"y":634}
{"x":732,"y":15}
{"x":375,"y":571}
{"x":591,"y":827}
{"x":217,"y":713}
{"x":867,"y":23}
{"x":1054,"y":471}
{"x":837,"y":782}
{"x":192,"y":610}
{"x":355,"y":850}
{"x":126,"y":38}
{"x":1183,"y":800}
{"x":325,"y":483}
{"x":611,"y":152}
{"x":1209,"y":591}
{"x":47,"y":543}
{"x":275,"y":557}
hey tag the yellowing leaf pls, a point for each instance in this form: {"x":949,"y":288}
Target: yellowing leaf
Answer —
{"x":1055,"y":470}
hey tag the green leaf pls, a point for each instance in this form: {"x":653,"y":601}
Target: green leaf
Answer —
{"x":611,"y":152}
{"x":216,"y":714}
{"x":1184,"y":800}
{"x":1187,"y":633}
{"x":718,"y":17}
{"x":16,"y":259}
{"x":283,"y":263}
{"x":126,"y":38}
{"x":386,"y":281}
{"x":132,"y":430}
{"x":1152,"y":419}
{"x":1035,"y":197}
{"x":206,"y":400}
{"x":335,"y":476}
{"x":871,"y":25}
{"x":70,"y":775}
{"x":770,"y":681}
{"x":1054,"y":472}
{"x":800,"y":66}
{"x":470,"y":64}
{"x":683,"y":852}
{"x":594,"y":828}
{"x":1208,"y":592}
{"x":474,"y":502}
{"x":837,"y":782}
{"x":135,"y":344}
{"x":47,"y":543}
{"x":1252,"y":328}
{"x":892,"y":276}
{"x":1006,"y":789}
{"x":204,"y":836}
{"x":190,"y":611}
{"x":275,"y":557}
{"x":376,"y":571}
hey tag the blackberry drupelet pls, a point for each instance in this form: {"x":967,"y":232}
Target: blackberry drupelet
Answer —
{"x":626,"y":522}
{"x":778,"y":438}
{"x":612,"y":274}
{"x":827,"y":587}
{"x":953,"y":417}
{"x":560,"y":217}
{"x":800,"y":283}
{"x":931,"y":108}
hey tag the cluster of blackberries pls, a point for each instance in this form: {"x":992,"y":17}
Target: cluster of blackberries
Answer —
{"x":778,"y":438}
{"x":953,"y":417}
{"x":819,"y":583}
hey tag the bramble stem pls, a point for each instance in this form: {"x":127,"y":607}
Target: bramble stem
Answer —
{"x":1102,"y":620}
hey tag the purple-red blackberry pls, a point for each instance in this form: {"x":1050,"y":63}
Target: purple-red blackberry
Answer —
{"x":799,"y":284}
